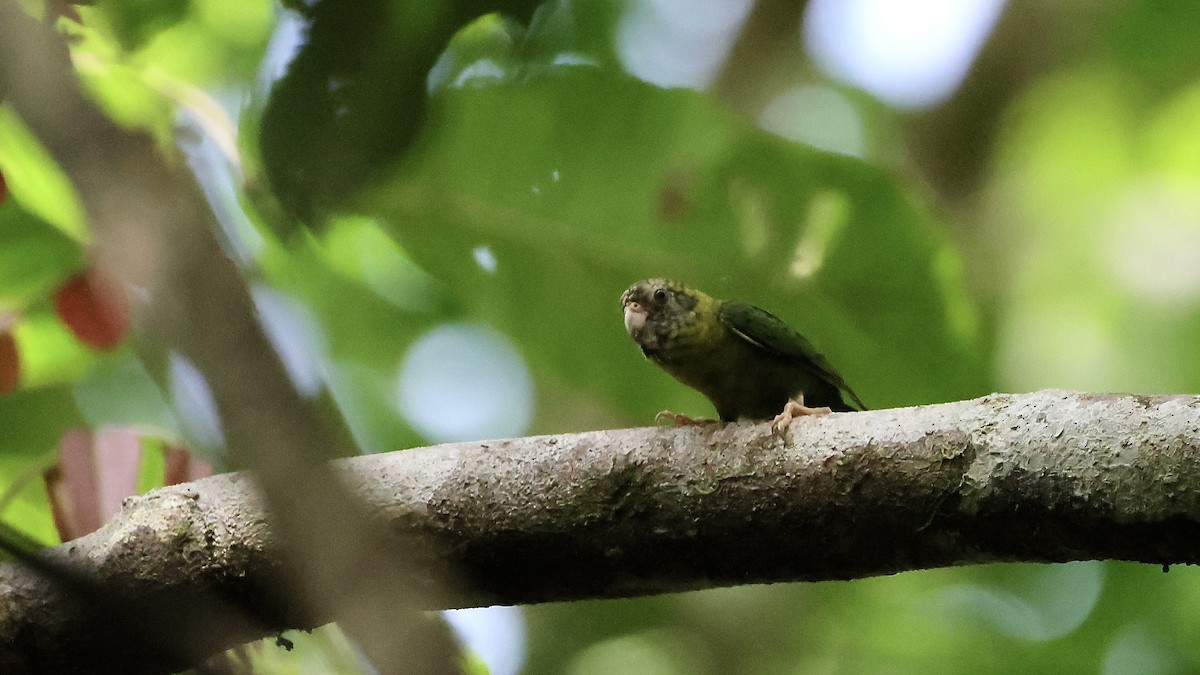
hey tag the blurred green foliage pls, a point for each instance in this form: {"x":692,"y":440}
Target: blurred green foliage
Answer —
{"x":549,"y":156}
{"x":424,"y":163}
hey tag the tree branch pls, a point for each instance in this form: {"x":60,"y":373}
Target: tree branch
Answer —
{"x":154,"y":231}
{"x":1047,"y":477}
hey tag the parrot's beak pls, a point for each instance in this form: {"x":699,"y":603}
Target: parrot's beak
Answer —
{"x":635,"y":319}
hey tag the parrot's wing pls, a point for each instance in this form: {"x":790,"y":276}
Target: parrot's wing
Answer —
{"x":767,"y":332}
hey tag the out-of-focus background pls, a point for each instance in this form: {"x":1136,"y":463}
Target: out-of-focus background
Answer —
{"x":437,"y":212}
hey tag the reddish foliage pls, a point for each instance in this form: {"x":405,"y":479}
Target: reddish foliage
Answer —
{"x":94,"y":308}
{"x":96,"y":472}
{"x":98,"y":469}
{"x":674,"y":196}
{"x":3,"y":189}
{"x":10,"y":363}
{"x":183,"y":466}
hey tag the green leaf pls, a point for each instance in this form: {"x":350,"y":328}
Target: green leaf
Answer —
{"x":34,"y":420}
{"x":50,"y":352}
{"x":135,"y":22}
{"x":34,"y":256}
{"x":26,"y":509}
{"x":120,"y":391}
{"x":35,"y":180}
{"x":354,"y":97}
{"x":571,"y":185}
{"x":371,"y":302}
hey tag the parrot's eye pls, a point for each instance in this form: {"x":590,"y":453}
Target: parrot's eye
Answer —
{"x":660,"y":296}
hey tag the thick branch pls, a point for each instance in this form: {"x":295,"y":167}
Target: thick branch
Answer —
{"x":1051,"y":476}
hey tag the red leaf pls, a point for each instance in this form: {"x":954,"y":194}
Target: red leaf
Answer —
{"x":3,"y":189}
{"x":96,"y":472}
{"x":10,"y":363}
{"x":94,"y":308}
{"x":182,"y":466}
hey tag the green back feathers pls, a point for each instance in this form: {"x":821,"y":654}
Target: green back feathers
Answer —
{"x":767,"y":332}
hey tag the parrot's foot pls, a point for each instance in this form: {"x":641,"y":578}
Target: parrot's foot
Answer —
{"x":681,"y":420}
{"x":795,"y":408}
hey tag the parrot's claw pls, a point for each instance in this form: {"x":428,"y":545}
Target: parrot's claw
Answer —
{"x":795,"y":408}
{"x":680,"y":420}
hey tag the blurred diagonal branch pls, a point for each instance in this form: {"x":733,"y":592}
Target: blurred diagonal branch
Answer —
{"x":1046,"y":477}
{"x":153,"y":229}
{"x":766,"y":57}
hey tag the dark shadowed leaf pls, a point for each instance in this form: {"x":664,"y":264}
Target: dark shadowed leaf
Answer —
{"x":355,"y":94}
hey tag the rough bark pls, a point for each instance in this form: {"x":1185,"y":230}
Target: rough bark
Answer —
{"x":1051,"y":476}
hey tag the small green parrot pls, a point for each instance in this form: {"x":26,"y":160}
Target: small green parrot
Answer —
{"x":744,"y":359}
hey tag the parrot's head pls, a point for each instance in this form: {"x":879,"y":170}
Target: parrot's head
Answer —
{"x":657,"y":311}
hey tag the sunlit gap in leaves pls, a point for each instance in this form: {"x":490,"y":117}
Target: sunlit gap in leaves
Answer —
{"x":462,"y":382}
{"x":195,"y":407}
{"x":494,"y":635}
{"x":205,"y":136}
{"x":910,"y":54}
{"x":678,"y":43}
{"x":289,"y":34}
{"x":818,"y":116}
{"x":827,"y":216}
{"x":1094,"y":197}
{"x":1052,"y":602}
{"x":485,"y":259}
{"x":1057,"y":341}
{"x":1154,"y":244}
{"x":1140,"y":648}
{"x":296,"y":336}
{"x":656,"y":652}
{"x":1134,"y":282}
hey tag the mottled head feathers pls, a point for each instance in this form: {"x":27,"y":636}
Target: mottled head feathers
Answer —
{"x":655,"y":309}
